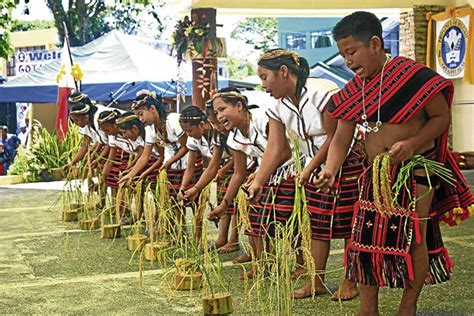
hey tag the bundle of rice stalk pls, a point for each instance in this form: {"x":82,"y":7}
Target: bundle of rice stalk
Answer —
{"x":280,"y":266}
{"x":202,"y":204}
{"x":430,"y":167}
{"x":216,"y":298}
{"x":300,"y":218}
{"x":164,"y":209}
{"x":240,"y":202}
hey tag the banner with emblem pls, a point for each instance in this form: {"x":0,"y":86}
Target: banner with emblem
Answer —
{"x":449,"y":47}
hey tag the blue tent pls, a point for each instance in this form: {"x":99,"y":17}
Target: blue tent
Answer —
{"x":109,"y":63}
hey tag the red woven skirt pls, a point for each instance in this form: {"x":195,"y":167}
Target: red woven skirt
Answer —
{"x":175,"y":177}
{"x":222,"y":186}
{"x":379,"y":251}
{"x":274,"y":208}
{"x":331,"y":214}
{"x":152,"y":177}
{"x":118,"y":165}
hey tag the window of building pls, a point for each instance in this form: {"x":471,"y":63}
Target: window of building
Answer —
{"x":296,"y":41}
{"x":321,"y":39}
{"x":12,"y":62}
{"x":391,"y":41}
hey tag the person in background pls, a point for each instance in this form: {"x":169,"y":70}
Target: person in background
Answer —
{"x":24,"y":134}
{"x":4,"y":160}
{"x":10,"y":145}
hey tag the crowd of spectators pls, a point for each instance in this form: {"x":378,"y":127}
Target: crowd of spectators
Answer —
{"x":9,"y":144}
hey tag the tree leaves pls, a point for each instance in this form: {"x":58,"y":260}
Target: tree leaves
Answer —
{"x":259,"y":32}
{"x":6,"y":19}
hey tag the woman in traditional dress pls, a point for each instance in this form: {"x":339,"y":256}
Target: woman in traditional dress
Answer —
{"x":208,"y":136}
{"x":85,"y":115}
{"x":248,"y":137}
{"x":300,"y":113}
{"x":169,"y":135}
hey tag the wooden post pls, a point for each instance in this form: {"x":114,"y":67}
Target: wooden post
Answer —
{"x":204,"y":66}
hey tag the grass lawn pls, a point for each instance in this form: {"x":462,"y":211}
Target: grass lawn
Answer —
{"x":47,"y":267}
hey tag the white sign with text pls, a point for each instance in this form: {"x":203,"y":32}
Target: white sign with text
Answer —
{"x":27,"y":61}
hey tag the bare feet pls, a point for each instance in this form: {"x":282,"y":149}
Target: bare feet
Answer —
{"x":249,"y":275}
{"x":306,"y":291}
{"x":298,"y":272}
{"x":347,"y":292}
{"x":229,"y":247}
{"x":242,"y":258}
{"x":217,"y":244}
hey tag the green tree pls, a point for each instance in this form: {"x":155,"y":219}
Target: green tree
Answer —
{"x":128,"y":17}
{"x":87,"y":20}
{"x":84,"y":20}
{"x":21,"y":26}
{"x":6,"y":23}
{"x":239,"y":69}
{"x":259,"y":32}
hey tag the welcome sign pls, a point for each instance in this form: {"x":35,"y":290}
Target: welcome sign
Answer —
{"x":27,"y":61}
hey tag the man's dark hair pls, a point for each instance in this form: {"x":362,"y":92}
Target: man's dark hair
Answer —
{"x":361,"y":25}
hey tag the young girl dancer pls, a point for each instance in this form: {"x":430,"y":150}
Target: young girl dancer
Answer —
{"x":133,"y":130}
{"x":196,"y":124}
{"x":85,"y":115}
{"x":169,"y":135}
{"x":248,"y":137}
{"x":300,"y":112}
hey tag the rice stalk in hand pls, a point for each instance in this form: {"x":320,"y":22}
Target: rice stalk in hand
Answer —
{"x":430,"y":167}
{"x":386,"y":195}
{"x":203,"y":202}
{"x":164,"y":206}
{"x":300,"y":219}
{"x":240,"y":202}
{"x":382,"y":191}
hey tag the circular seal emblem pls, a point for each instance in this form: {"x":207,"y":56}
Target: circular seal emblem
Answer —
{"x":21,"y":57}
{"x":451,"y":47}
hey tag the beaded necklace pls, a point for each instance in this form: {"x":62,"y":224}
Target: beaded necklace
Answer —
{"x":378,"y":123}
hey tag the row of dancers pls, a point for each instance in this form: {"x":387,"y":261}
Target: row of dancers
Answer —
{"x":241,"y":145}
{"x":304,"y":150}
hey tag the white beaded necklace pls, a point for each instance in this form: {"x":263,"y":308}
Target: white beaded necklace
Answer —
{"x":365,"y":124}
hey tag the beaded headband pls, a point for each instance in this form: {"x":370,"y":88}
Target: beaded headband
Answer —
{"x":279,"y":53}
{"x":125,"y":119}
{"x":77,"y":98}
{"x":228,"y":94}
{"x":136,"y":104}
{"x":109,"y":117}
{"x":192,"y":118}
{"x":147,"y":92}
{"x":84,"y":110}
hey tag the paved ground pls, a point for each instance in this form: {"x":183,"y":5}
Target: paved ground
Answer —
{"x":49,"y":267}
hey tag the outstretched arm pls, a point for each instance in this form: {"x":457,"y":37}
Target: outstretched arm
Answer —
{"x":80,"y":153}
{"x":240,"y":172}
{"x":206,"y":176}
{"x":275,"y":153}
{"x":188,"y":173}
{"x":330,"y":125}
{"x":183,"y":150}
{"x":139,"y":165}
{"x":337,"y":153}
